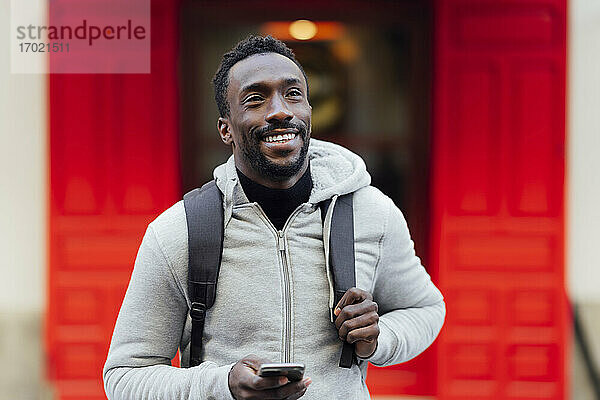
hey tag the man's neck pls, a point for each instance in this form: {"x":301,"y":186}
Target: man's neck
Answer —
{"x":277,"y":203}
{"x":284,"y":183}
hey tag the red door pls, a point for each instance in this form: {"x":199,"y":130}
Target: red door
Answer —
{"x":114,"y":165}
{"x":498,"y":184}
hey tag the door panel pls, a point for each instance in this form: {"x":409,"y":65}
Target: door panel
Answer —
{"x":114,"y":166}
{"x":498,"y":185}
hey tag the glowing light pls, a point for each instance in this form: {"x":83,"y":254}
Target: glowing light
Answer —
{"x":303,"y":29}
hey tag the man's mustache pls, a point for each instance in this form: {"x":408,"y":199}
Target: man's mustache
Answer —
{"x":260,"y":132}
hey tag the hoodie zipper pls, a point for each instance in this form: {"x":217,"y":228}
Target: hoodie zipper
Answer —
{"x":287,"y":340}
{"x":287,"y":290}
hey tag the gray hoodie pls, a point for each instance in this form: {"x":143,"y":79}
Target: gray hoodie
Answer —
{"x":274,"y":293}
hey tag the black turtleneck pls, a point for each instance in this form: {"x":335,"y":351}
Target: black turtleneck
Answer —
{"x":278,"y":204}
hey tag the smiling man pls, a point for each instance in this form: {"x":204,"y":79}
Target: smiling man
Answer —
{"x":274,"y":295}
{"x":266,"y":118}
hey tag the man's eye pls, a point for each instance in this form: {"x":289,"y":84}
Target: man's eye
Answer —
{"x":253,"y":98}
{"x":294,"y":92}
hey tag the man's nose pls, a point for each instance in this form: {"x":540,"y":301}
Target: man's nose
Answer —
{"x":278,"y":111}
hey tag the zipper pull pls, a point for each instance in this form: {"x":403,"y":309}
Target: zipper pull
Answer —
{"x":280,"y":241}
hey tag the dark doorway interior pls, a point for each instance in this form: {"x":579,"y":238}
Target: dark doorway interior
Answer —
{"x":369,"y":69}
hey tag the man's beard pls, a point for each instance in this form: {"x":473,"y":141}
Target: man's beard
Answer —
{"x":265,"y":167}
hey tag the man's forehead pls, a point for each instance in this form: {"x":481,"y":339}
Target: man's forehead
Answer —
{"x":266,"y":67}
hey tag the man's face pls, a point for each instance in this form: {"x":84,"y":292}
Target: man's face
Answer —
{"x":269,"y":119}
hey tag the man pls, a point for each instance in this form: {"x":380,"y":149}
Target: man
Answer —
{"x":273,"y":299}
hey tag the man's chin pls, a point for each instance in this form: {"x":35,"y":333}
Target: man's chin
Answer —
{"x":281,"y":171}
{"x":279,"y":163}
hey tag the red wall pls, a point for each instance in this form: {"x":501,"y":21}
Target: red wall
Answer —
{"x":114,"y":165}
{"x":498,"y":186}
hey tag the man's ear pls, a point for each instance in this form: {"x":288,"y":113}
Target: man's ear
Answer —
{"x":224,"y":130}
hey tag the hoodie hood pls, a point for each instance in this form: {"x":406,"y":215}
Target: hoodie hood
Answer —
{"x":335,"y":171}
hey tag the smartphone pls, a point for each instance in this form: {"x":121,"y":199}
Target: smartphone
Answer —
{"x":293,"y":371}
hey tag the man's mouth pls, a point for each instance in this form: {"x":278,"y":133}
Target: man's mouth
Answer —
{"x":277,"y":137}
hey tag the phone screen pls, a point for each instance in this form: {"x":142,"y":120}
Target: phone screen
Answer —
{"x":293,"y":371}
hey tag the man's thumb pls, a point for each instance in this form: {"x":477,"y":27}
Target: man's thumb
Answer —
{"x":252,"y":361}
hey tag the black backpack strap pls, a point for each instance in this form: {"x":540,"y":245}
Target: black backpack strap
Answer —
{"x":341,"y":257}
{"x":204,"y":214}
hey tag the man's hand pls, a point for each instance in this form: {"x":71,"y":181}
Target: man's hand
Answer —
{"x":244,"y":382}
{"x":357,"y":321}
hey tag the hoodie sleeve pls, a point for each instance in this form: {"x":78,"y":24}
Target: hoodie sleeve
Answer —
{"x":411,"y":308}
{"x":147,"y":334}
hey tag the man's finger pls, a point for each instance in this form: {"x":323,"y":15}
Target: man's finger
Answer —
{"x":287,"y":391}
{"x":364,"y":320}
{"x":366,"y":334}
{"x":271,"y":382}
{"x":355,"y":310}
{"x":253,"y":362}
{"x":296,"y":396}
{"x":352,"y":295}
{"x":252,"y":381}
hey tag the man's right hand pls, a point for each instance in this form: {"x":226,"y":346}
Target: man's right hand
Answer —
{"x":245,"y":384}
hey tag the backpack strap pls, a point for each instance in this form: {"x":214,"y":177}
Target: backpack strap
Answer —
{"x":204,"y":215}
{"x":341,"y":257}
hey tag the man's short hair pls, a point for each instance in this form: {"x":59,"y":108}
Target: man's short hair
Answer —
{"x":248,"y":47}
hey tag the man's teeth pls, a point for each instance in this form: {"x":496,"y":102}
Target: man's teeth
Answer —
{"x":280,"y":138}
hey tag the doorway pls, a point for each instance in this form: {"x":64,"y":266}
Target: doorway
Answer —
{"x":369,"y":72}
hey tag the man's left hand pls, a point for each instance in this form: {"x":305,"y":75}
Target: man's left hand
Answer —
{"x":357,"y":321}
